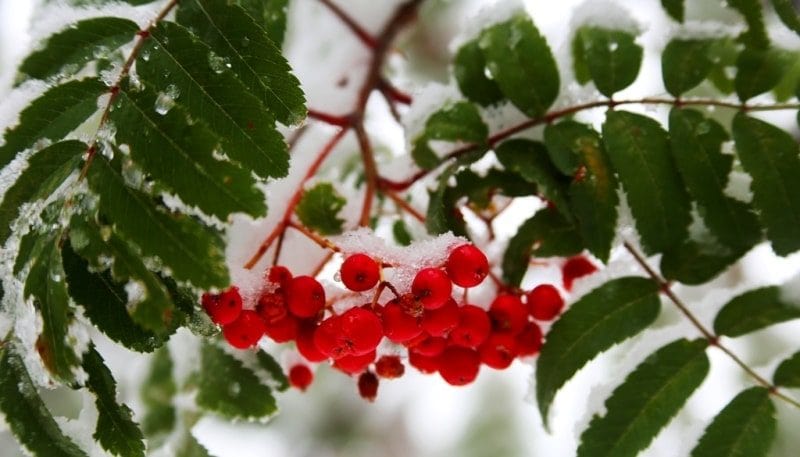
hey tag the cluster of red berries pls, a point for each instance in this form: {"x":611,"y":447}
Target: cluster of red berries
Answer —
{"x":437,"y":333}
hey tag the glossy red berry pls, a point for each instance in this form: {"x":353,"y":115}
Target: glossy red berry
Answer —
{"x":459,"y":365}
{"x":305,"y":342}
{"x":467,"y":266}
{"x":544,"y":302}
{"x":508,"y":314}
{"x":473,"y":327}
{"x":431,"y":287}
{"x":398,"y":324}
{"x":440,"y":321}
{"x":360,"y":272}
{"x":354,"y":364}
{"x":361,"y":330}
{"x":301,"y":376}
{"x":368,"y":386}
{"x":223,"y":308}
{"x":327,"y":338}
{"x":245,"y":331}
{"x":423,"y":363}
{"x":576,"y":267}
{"x":305,"y":296}
{"x":282,"y":330}
{"x":529,"y":341}
{"x":389,"y":367}
{"x":272,"y":307}
{"x":499,"y":350}
{"x":279,"y":275}
{"x":431,"y":346}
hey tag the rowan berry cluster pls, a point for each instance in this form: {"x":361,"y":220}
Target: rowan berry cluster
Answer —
{"x":424,"y":327}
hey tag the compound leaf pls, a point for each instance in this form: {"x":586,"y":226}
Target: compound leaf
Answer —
{"x":612,"y":57}
{"x":319,"y":209}
{"x":469,"y":69}
{"x":754,"y":310}
{"x":685,"y":64}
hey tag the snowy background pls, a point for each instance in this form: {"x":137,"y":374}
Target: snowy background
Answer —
{"x":421,"y":415}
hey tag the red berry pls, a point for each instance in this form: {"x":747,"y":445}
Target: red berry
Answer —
{"x":575,"y":268}
{"x":279,"y":275}
{"x":360,"y":272}
{"x":423,"y":363}
{"x":272,"y":307}
{"x":300,"y":376}
{"x":245,"y":331}
{"x":431,"y":346}
{"x":305,"y":296}
{"x":508,"y":314}
{"x":223,"y":308}
{"x":368,"y":386}
{"x":431,"y":287}
{"x":389,"y":367}
{"x":282,"y":330}
{"x":473,"y":327}
{"x":529,"y":341}
{"x":467,"y":266}
{"x":499,"y":350}
{"x":398,"y":325}
{"x":361,"y":330}
{"x":354,"y":364}
{"x":439,"y":322}
{"x":459,"y":365}
{"x":327,"y":338}
{"x":544,"y":302}
{"x":305,"y":342}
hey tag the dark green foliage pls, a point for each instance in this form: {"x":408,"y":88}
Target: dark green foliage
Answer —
{"x":246,"y":47}
{"x":26,"y":413}
{"x":442,"y":216}
{"x":157,"y":393}
{"x":744,"y":428}
{"x":639,"y":150}
{"x":612,"y":58}
{"x":545,"y":234}
{"x":787,"y":12}
{"x":788,"y":372}
{"x":400,"y":233}
{"x":606,"y":316}
{"x":770,"y":156}
{"x":271,"y":366}
{"x":236,"y":395}
{"x":685,"y":64}
{"x":319,"y":208}
{"x":756,"y":34}
{"x":758,"y":71}
{"x":754,"y":310}
{"x":116,"y":431}
{"x":66,"y":52}
{"x":520,"y":61}
{"x":269,"y":14}
{"x":697,"y":262}
{"x":650,"y":396}
{"x":53,"y":115}
{"x":458,"y":122}
{"x":469,"y":68}
{"x":675,"y":8}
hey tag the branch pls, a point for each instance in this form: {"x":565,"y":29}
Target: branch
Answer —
{"x":355,"y":27}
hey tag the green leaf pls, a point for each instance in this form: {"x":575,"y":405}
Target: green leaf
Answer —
{"x":105,"y":303}
{"x":612,"y":57}
{"x":46,"y":283}
{"x":180,"y":156}
{"x":744,"y":428}
{"x":685,"y":64}
{"x":191,"y":251}
{"x":442,"y":216}
{"x":26,"y":413}
{"x":53,"y":115}
{"x":26,"y":245}
{"x":530,"y":160}
{"x":238,"y":394}
{"x":724,"y":52}
{"x":173,"y":59}
{"x":639,"y":150}
{"x":696,"y":145}
{"x":157,"y":393}
{"x":401,"y":234}
{"x":240,"y":41}
{"x":593,"y":191}
{"x":319,"y":209}
{"x":758,"y":71}
{"x":756,"y":34}
{"x":697,"y":262}
{"x":116,"y":430}
{"x":754,"y":310}
{"x":674,"y":8}
{"x":790,"y":80}
{"x":579,"y":66}
{"x":546,"y":234}
{"x":480,"y":189}
{"x":787,"y":13}
{"x":270,"y":15}
{"x":770,"y":156}
{"x":67,"y":51}
{"x":788,"y":372}
{"x":191,"y":448}
{"x":520,"y":61}
{"x":644,"y":404}
{"x":268,"y":363}
{"x":460,"y":121}
{"x":604,"y":317}
{"x":47,"y":170}
{"x":469,"y":69}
